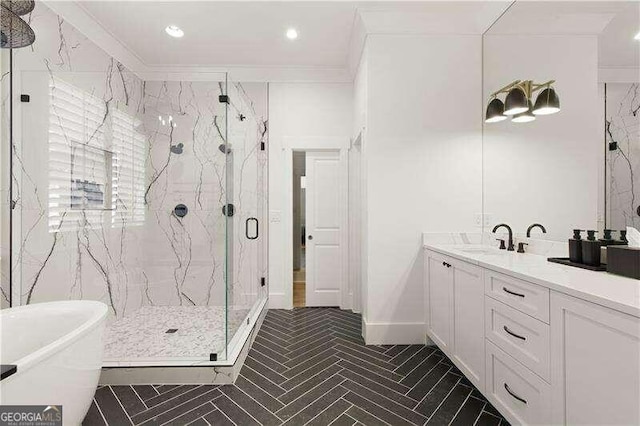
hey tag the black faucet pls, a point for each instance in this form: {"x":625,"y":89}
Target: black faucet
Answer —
{"x":504,"y":225}
{"x":535,"y":225}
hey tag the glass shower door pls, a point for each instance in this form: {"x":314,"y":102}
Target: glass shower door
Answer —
{"x":246,"y":283}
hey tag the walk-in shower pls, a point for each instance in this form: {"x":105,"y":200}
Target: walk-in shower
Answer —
{"x":121,"y":194}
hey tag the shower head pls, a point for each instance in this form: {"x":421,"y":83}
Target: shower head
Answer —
{"x":177,"y":149}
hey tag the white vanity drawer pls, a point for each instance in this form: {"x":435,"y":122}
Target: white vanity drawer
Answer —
{"x":529,"y":298}
{"x":521,"y":336}
{"x":521,"y":396}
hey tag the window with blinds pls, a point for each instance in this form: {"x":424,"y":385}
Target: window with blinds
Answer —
{"x":129,"y":147}
{"x":78,"y":160}
{"x":95,"y":164}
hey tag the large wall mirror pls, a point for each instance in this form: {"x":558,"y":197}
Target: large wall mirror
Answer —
{"x":580,"y":166}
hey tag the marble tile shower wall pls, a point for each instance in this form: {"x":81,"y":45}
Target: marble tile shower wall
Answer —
{"x":131,"y":250}
{"x":623,"y":159}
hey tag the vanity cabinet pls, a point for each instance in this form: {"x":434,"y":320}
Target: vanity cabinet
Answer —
{"x":519,"y":394}
{"x":456,"y":314}
{"x":595,"y":363}
{"x":468,"y":322}
{"x":538,"y":355}
{"x":440,"y":301}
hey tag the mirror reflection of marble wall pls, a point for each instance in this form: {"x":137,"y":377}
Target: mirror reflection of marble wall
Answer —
{"x":622,"y":131}
{"x":552,"y":170}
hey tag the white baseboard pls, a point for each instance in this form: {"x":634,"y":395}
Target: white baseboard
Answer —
{"x":386,"y":333}
{"x":279,"y":301}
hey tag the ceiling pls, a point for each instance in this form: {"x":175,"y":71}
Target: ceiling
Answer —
{"x":614,"y":22}
{"x":616,"y":47}
{"x":230,"y":33}
{"x":252,"y":33}
{"x":249,"y":36}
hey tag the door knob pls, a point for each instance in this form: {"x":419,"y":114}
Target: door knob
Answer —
{"x":310,"y":237}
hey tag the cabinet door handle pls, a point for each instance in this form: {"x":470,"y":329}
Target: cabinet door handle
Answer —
{"x":512,"y":292}
{"x":448,"y":265}
{"x":524,"y":401}
{"x":514,"y":334}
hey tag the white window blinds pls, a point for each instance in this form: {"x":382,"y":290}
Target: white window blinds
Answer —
{"x":129,"y":147}
{"x":96,"y":163}
{"x":78,"y":162}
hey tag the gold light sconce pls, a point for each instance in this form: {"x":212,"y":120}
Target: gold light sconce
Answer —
{"x":518,"y":105}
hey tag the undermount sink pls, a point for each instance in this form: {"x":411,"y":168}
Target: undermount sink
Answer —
{"x":481,"y":250}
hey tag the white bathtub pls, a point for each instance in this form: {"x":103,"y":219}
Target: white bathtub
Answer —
{"x":57,"y":348}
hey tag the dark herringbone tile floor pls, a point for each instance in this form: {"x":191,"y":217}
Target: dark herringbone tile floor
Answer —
{"x":310,"y":366}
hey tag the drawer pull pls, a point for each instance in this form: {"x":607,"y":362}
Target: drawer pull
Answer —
{"x":512,"y":292}
{"x":524,"y":401}
{"x":514,"y":334}
{"x":448,"y":265}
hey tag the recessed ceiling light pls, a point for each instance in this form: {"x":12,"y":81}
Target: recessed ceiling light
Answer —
{"x":637,"y":37}
{"x":292,"y":34}
{"x":174,"y":31}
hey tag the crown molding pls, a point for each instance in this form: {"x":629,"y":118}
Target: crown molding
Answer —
{"x":247,"y":74}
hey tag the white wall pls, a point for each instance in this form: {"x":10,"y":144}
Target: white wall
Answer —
{"x":423,"y":158}
{"x":545,"y":171}
{"x":301,"y":116}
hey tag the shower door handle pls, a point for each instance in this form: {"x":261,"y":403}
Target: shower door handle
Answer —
{"x":246,"y":228}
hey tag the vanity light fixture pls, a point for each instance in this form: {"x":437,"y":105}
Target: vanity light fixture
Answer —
{"x":525,"y":116}
{"x":174,"y":31}
{"x":518,"y":102}
{"x":547,"y":102}
{"x":292,"y":34}
{"x":495,"y":111}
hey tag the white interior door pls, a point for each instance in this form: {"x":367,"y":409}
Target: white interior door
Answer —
{"x":324,"y":228}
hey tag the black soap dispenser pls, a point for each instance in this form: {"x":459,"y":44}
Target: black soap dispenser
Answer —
{"x":606,"y":239}
{"x":591,"y":249}
{"x":575,"y":247}
{"x":623,"y":237}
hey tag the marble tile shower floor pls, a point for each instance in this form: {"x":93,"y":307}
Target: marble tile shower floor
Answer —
{"x":169,"y":333}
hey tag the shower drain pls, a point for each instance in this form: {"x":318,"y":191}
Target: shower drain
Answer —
{"x":171,"y":330}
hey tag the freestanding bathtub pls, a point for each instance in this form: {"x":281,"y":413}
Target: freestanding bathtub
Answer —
{"x":57,"y":349}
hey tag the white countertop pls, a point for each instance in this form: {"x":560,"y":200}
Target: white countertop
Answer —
{"x":612,"y":291}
